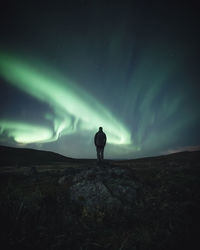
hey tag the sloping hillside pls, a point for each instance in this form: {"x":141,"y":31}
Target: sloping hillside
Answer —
{"x":22,"y":156}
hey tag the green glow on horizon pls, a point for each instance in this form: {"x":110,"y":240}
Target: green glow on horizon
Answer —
{"x":74,"y":109}
{"x":25,"y":133}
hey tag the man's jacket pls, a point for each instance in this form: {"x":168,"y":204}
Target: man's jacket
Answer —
{"x":100,"y":139}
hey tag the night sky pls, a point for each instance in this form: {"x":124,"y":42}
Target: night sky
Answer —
{"x":131,"y":67}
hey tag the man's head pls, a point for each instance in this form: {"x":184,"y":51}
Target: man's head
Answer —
{"x":100,"y":129}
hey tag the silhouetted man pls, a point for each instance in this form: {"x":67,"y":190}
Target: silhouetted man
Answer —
{"x":100,"y":142}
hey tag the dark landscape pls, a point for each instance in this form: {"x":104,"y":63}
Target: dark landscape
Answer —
{"x":48,"y":201}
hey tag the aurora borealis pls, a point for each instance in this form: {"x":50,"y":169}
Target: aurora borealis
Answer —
{"x":130,"y":68}
{"x":71,"y":105}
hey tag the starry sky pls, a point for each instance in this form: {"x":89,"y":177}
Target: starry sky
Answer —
{"x":68,"y":67}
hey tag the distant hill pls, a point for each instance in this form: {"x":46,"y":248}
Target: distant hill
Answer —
{"x":10,"y":156}
{"x":189,"y":158}
{"x":23,"y":156}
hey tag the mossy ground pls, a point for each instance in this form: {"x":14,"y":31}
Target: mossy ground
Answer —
{"x":36,"y":213}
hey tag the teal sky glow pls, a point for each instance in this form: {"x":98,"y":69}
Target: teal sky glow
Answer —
{"x":131,"y":67}
{"x":74,"y":109}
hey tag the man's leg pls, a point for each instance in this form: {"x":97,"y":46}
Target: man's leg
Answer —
{"x":102,"y":151}
{"x":98,"y":153}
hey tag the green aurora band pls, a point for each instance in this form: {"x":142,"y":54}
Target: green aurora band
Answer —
{"x":25,"y":133}
{"x":73,"y":109}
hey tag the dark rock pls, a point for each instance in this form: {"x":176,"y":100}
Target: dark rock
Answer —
{"x":62,"y":180}
{"x":108,"y":189}
{"x":31,"y":171}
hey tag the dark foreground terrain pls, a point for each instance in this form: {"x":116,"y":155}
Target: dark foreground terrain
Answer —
{"x":151,"y":203}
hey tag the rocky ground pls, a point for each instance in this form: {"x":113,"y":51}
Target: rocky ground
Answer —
{"x":150,"y":203}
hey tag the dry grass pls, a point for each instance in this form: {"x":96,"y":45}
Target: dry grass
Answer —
{"x":36,"y":213}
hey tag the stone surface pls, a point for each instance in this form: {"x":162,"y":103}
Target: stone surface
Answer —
{"x":104,"y":188}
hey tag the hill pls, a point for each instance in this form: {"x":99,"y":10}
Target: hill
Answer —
{"x":175,"y":159}
{"x":11,"y":156}
{"x":22,"y":156}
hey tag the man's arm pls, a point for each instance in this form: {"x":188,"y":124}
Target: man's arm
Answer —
{"x":105,"y":139}
{"x":95,"y":139}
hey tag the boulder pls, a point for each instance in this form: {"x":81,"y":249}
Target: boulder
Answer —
{"x":104,"y":189}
